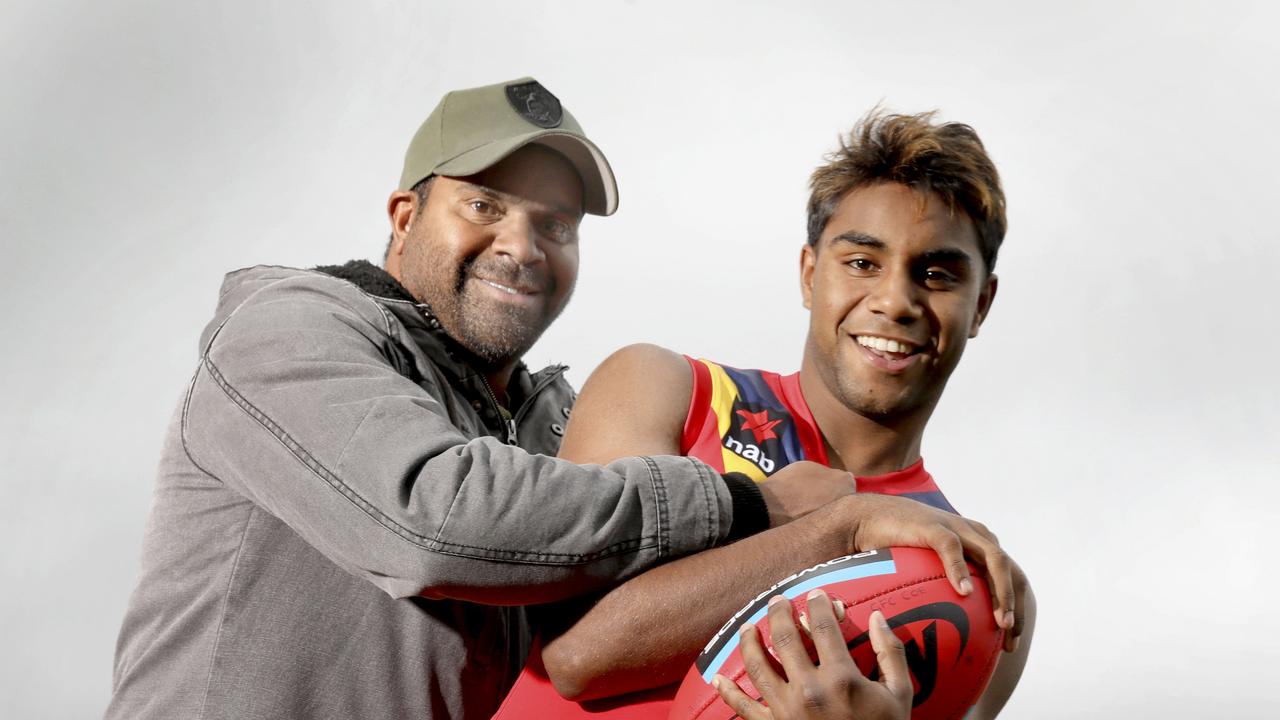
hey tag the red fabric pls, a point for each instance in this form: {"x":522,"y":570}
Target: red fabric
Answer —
{"x":701,"y":436}
{"x":913,"y":479}
{"x":787,"y":388}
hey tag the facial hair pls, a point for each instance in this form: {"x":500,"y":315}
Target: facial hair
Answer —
{"x":499,"y":333}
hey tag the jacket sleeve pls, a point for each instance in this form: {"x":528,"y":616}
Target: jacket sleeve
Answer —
{"x":298,"y":406}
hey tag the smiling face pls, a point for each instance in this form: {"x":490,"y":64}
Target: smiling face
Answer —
{"x":894,"y":290}
{"x":495,"y":255}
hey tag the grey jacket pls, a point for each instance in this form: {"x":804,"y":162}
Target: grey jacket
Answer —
{"x":345,"y":525}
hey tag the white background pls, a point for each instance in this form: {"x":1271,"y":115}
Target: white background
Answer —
{"x":1116,"y":423}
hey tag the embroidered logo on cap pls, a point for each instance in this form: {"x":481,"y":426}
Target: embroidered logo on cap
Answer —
{"x":535,"y":104}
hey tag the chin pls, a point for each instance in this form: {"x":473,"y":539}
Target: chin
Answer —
{"x":876,"y":406}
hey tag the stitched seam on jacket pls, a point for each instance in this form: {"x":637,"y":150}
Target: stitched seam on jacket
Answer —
{"x":448,"y":548}
{"x":710,"y":500}
{"x":222,"y":616}
{"x":449,"y":513}
{"x":660,"y":499}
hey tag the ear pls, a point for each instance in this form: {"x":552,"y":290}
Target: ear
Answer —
{"x":808,"y":260}
{"x":985,"y":298}
{"x":402,"y":209}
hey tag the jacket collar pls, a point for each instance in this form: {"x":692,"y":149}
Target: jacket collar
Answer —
{"x":426,"y":330}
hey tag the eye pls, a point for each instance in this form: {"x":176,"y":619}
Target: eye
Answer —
{"x":557,"y":230}
{"x":861,"y":266}
{"x":483,"y":209}
{"x":940,"y":279}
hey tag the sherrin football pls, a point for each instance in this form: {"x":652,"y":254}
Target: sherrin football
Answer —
{"x":952,"y":642}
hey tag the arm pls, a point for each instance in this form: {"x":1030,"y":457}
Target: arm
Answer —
{"x":614,"y":648}
{"x":635,"y":403}
{"x":299,"y":405}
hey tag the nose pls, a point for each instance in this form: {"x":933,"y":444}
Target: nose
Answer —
{"x":895,"y":298}
{"x":517,"y":239}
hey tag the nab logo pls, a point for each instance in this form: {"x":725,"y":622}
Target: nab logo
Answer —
{"x":759,"y":424}
{"x":761,"y":429}
{"x":923,"y":658}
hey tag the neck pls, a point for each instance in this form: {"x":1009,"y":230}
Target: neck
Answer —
{"x":498,"y":381}
{"x":864,"y":446}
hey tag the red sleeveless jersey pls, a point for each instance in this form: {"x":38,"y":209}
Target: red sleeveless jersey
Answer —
{"x":748,"y":421}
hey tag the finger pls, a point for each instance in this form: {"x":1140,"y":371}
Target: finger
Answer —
{"x":836,"y":604}
{"x":984,"y":531}
{"x":825,"y":630}
{"x":1010,"y":642}
{"x":1000,"y":582}
{"x":788,"y":646}
{"x":950,"y":549}
{"x":892,"y":659}
{"x":1011,"y":638}
{"x":1014,"y":637}
{"x":738,"y":701}
{"x":999,"y":572}
{"x":756,"y":662}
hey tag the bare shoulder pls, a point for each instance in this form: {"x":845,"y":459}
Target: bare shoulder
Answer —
{"x":644,"y":358}
{"x":633,"y":404}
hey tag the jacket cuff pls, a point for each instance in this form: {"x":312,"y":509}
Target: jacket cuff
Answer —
{"x":750,"y":513}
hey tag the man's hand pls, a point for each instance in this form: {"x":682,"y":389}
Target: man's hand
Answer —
{"x":802,"y":487}
{"x":832,"y":689}
{"x":877,"y":521}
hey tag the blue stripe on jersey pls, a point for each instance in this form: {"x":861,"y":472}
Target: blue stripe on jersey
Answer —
{"x":753,"y":389}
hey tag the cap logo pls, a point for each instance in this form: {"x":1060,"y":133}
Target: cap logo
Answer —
{"x":535,"y":104}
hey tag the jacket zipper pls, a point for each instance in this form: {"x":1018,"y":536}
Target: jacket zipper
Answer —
{"x":424,"y":311}
{"x":512,"y":439}
{"x":511,"y":420}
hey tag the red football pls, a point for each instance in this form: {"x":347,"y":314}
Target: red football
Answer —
{"x":952,"y":642}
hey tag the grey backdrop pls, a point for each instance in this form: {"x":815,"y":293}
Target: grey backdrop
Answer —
{"x":1116,"y":422}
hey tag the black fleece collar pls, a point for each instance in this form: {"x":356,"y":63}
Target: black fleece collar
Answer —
{"x":379,"y":283}
{"x":370,"y":278}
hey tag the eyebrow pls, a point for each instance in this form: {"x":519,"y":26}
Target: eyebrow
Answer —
{"x":508,"y":197}
{"x":856,"y":238}
{"x":945,"y":255}
{"x":948,"y":256}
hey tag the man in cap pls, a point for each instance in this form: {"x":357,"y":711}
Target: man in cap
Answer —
{"x":357,"y":494}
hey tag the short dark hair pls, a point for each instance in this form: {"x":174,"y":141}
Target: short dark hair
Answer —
{"x":947,"y":159}
{"x":422,"y":189}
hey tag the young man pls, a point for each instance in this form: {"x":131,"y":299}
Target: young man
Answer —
{"x":356,"y":494}
{"x":905,"y":223}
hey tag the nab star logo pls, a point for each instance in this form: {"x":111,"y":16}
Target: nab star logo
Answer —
{"x":759,"y":424}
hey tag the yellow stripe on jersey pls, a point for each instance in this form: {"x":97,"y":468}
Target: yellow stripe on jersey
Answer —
{"x":723,"y":393}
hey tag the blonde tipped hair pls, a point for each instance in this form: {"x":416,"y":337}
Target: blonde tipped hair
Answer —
{"x":946,"y":159}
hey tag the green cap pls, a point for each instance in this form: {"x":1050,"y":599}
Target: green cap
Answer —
{"x":473,"y":129}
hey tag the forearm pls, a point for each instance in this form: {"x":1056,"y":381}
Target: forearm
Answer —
{"x":297,"y":407}
{"x":645,"y":632}
{"x":1010,"y":667}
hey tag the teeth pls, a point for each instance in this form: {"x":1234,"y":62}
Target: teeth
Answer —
{"x":884,"y":345}
{"x":503,"y":288}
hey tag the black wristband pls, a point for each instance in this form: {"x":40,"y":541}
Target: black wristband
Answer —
{"x":750,"y":513}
